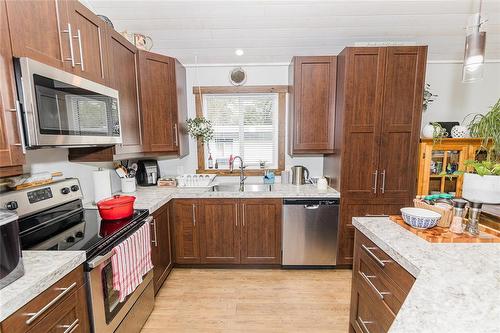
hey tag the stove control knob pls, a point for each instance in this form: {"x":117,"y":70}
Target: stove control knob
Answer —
{"x":75,"y":188}
{"x":65,"y":190}
{"x":70,"y":239}
{"x":11,"y":205}
{"x":79,"y":234}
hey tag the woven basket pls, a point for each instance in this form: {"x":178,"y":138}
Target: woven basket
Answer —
{"x":446,"y":214}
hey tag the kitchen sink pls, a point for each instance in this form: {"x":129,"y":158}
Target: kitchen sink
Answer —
{"x":247,"y":188}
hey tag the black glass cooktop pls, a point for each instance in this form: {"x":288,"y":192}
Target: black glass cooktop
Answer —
{"x":70,"y":227}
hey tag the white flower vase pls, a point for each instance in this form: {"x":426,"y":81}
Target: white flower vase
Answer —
{"x":485,"y":189}
{"x":428,"y":131}
{"x":459,"y":131}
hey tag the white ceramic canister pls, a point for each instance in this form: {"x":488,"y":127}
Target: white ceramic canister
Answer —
{"x":322,"y":184}
{"x":128,"y":185}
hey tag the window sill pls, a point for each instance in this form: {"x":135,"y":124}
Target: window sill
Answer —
{"x":236,"y":172}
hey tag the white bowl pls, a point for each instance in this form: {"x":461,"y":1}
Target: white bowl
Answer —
{"x":420,"y":218}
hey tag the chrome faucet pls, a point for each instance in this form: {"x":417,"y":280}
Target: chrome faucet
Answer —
{"x":242,"y":172}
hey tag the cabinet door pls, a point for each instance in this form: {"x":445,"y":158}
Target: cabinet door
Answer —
{"x":219,"y":231}
{"x":362,"y":97}
{"x":261,"y":231}
{"x":88,"y":44}
{"x":186,"y":241}
{"x":161,"y":254}
{"x":11,"y":154}
{"x":158,"y":105}
{"x":313,"y":120}
{"x":122,"y":65}
{"x":401,"y":119}
{"x":36,"y":28}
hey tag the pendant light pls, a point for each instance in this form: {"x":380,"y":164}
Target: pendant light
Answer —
{"x":475,"y":43}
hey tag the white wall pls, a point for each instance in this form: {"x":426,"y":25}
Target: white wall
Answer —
{"x":219,"y":76}
{"x":456,"y":99}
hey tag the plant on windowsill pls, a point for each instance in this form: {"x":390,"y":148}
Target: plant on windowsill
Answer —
{"x":200,"y":128}
{"x":484,"y":184}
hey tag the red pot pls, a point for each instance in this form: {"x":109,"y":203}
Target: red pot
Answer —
{"x":116,"y":207}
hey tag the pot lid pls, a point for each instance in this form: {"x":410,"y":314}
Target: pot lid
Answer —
{"x":116,"y":200}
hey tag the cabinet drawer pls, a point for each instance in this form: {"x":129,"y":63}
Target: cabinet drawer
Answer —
{"x":378,"y":283}
{"x":370,"y":315}
{"x":378,"y":257}
{"x":37,"y":309}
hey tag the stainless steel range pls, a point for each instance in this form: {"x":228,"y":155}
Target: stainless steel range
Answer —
{"x":52,"y":217}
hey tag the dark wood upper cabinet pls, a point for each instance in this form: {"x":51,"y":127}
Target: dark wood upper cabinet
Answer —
{"x":312,"y":82}
{"x":185,"y":236}
{"x":377,"y":125}
{"x":38,"y":30}
{"x":89,"y":51}
{"x":261,"y":231}
{"x":162,"y":90}
{"x":219,"y":231}
{"x":161,"y":252}
{"x":11,"y":153}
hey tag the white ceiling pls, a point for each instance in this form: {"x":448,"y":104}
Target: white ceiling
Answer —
{"x":274,"y":31}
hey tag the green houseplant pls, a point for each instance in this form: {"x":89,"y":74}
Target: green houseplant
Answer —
{"x":200,"y":128}
{"x":484,"y":184}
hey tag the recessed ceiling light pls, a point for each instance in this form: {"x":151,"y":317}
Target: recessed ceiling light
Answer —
{"x":239,"y":52}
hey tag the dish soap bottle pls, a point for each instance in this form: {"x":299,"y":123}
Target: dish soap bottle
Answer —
{"x":210,"y":161}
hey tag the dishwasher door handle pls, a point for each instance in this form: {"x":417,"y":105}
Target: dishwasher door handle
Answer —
{"x":311,"y":206}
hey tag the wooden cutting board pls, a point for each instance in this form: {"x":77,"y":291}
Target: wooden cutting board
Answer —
{"x":444,"y":235}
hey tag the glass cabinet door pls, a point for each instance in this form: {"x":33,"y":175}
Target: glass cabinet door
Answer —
{"x":443,"y":167}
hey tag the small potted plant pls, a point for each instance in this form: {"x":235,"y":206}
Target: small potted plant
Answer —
{"x":484,"y":184}
{"x":200,"y":128}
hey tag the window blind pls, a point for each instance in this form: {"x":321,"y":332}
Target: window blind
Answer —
{"x":244,"y":125}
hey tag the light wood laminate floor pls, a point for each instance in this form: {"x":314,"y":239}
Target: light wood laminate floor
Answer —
{"x":252,"y":300}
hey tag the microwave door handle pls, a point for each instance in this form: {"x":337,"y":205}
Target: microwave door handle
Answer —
{"x":17,"y":110}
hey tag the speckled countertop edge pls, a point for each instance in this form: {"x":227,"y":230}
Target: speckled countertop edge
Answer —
{"x":42,"y":269}
{"x":457,"y":287}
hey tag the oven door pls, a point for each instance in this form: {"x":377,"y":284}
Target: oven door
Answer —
{"x":61,"y":109}
{"x":106,"y":311}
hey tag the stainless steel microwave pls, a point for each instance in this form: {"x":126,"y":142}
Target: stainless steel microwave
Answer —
{"x":61,"y":109}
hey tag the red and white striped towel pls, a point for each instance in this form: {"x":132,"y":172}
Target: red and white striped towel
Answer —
{"x":131,"y":260}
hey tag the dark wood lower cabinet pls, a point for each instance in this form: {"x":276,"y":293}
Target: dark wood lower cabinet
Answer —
{"x":378,"y":290}
{"x":261,"y":231}
{"x":58,"y":315}
{"x":161,"y":252}
{"x":227,"y":231}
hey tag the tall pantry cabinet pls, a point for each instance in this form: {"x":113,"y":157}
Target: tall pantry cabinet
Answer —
{"x":377,"y":125}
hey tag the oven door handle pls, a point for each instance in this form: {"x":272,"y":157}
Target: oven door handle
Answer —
{"x":100,"y":259}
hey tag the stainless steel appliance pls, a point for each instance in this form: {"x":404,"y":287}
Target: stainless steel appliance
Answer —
{"x":310,"y":232}
{"x":300,"y":174}
{"x":147,"y":173}
{"x":11,"y":260}
{"x":60,"y":109}
{"x":52,"y":218}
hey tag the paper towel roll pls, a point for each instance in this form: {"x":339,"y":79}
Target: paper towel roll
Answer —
{"x":102,"y":184}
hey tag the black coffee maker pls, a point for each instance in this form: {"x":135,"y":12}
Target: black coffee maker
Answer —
{"x":148,"y":172}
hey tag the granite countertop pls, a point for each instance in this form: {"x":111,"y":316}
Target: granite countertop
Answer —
{"x":457,"y":287}
{"x":153,"y":197}
{"x":42,"y":269}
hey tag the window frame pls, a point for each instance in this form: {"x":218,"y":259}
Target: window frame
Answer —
{"x":281,"y":90}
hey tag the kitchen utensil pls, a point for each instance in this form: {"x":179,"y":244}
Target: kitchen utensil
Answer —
{"x":128,"y":185}
{"x":116,"y":207}
{"x":299,"y":174}
{"x":474,"y":212}
{"x":420,"y":218}
{"x":121,"y":171}
{"x":31,"y":180}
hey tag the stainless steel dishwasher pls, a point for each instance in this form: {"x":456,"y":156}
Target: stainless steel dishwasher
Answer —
{"x":310,"y":231}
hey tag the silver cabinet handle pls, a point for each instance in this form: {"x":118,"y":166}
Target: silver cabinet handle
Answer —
{"x":155,"y":240}
{"x":194,"y":215}
{"x":176,"y":136}
{"x":375,"y":176}
{"x":70,"y":328}
{"x":71,"y":50}
{"x":382,"y":188}
{"x":363,"y":324}
{"x":79,"y":37}
{"x":100,"y":52}
{"x":371,"y":254}
{"x":367,"y":278}
{"x":34,"y":316}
